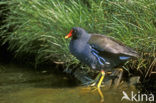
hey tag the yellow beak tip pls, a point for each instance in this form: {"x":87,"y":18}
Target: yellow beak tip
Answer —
{"x":66,"y":37}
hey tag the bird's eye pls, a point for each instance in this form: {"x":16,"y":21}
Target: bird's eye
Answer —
{"x":74,"y":31}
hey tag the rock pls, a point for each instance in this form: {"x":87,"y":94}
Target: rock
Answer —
{"x":134,"y":80}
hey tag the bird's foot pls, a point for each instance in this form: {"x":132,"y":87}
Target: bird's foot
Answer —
{"x":88,"y":81}
{"x":96,"y":84}
{"x":99,"y":91}
{"x":93,"y":90}
{"x":93,"y":84}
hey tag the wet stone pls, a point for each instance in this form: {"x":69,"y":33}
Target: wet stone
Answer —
{"x":134,"y":80}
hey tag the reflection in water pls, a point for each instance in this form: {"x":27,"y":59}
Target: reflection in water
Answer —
{"x":101,"y":94}
{"x":24,"y":85}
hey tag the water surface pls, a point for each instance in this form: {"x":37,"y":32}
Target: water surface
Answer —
{"x":20,"y":84}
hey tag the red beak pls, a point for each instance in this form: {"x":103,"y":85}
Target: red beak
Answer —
{"x":69,"y":35}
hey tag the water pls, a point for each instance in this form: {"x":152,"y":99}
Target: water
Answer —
{"x":26,"y":85}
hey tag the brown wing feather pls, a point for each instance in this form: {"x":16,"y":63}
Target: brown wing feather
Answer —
{"x":111,"y":45}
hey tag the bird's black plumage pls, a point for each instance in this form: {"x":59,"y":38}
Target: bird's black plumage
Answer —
{"x":99,"y":51}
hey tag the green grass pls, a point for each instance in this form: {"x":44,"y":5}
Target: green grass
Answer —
{"x":39,"y":27}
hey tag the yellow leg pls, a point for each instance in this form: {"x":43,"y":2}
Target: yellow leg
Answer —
{"x":98,"y":76}
{"x":99,"y":85}
{"x":96,"y":79}
{"x":101,"y":94}
{"x":101,"y":79}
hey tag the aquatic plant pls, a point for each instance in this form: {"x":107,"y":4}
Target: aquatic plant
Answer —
{"x":38,"y":27}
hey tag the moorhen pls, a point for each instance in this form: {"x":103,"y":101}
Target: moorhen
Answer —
{"x":100,"y":52}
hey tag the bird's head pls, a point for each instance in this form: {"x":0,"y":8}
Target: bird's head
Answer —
{"x":76,"y":33}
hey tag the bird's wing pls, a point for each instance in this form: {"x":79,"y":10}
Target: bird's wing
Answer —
{"x":108,"y":44}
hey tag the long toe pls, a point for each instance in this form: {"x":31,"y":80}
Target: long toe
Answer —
{"x":88,"y":78}
{"x":88,"y":83}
